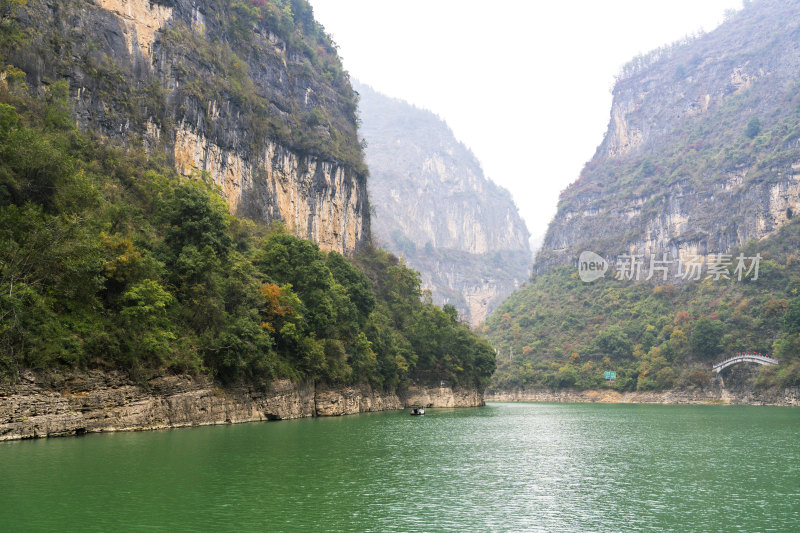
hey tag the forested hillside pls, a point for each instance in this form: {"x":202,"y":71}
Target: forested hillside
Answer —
{"x":110,"y":259}
{"x":566,"y":333}
{"x":698,"y":166}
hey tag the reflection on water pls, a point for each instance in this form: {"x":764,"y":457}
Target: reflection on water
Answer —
{"x":505,"y":467}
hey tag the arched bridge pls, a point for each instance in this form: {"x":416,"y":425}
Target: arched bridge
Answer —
{"x":744,"y":358}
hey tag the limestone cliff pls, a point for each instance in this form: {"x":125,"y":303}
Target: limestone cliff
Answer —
{"x":702,"y":150}
{"x":691,"y":199}
{"x":251,"y":94}
{"x":434,"y":206}
{"x":50,"y":405}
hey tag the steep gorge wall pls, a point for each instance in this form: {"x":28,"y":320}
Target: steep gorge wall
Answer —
{"x":434,"y":206}
{"x":681,"y":170}
{"x":44,"y":405}
{"x":267,"y":117}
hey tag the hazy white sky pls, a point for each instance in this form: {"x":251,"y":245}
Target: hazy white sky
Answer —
{"x":524,"y":84}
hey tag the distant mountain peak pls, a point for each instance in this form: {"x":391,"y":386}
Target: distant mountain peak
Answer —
{"x":434,"y":205}
{"x":701,"y":151}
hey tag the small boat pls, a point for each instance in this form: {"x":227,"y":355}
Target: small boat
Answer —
{"x":419,"y":410}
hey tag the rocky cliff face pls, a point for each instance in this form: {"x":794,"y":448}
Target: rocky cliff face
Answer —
{"x":701,"y":153}
{"x":252,"y":96}
{"x":696,"y":183}
{"x":44,"y":405}
{"x":434,"y":206}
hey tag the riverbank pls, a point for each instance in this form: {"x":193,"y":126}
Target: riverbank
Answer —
{"x":46,"y":405}
{"x":709,"y":395}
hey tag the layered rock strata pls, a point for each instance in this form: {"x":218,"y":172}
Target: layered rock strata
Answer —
{"x":220,"y":94}
{"x":44,"y":405}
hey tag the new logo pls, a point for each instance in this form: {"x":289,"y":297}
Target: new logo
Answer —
{"x":591,"y":266}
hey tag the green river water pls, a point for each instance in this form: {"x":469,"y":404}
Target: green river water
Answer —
{"x":504,"y":467}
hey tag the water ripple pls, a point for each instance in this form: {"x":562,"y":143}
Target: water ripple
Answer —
{"x":506,"y":467}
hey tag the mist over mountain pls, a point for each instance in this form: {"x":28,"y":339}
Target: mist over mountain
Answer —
{"x":434,"y":206}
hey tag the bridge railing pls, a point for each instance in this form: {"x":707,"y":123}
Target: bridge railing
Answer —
{"x":746,"y":357}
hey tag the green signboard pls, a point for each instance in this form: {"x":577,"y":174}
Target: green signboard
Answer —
{"x":611,"y":375}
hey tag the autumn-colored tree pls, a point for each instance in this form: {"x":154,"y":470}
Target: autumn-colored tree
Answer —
{"x":681,"y":317}
{"x":773,"y":307}
{"x":281,"y":305}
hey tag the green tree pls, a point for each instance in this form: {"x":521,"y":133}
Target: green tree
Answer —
{"x":791,"y":319}
{"x":34,"y":168}
{"x":613,"y":342}
{"x":148,"y":332}
{"x":285,"y":259}
{"x":243,"y":349}
{"x":197,"y":218}
{"x":705,"y":338}
{"x":452,"y":312}
{"x":394,"y":353}
{"x":364,"y":360}
{"x":566,"y":376}
{"x":787,"y":347}
{"x":355,"y":283}
{"x":753,"y":128}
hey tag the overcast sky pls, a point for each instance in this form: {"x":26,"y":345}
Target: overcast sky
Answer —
{"x":524,"y":84}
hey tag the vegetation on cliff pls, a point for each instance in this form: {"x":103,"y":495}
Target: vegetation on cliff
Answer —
{"x":244,"y":71}
{"x":109,"y":259}
{"x":327,"y":130}
{"x":701,"y":147}
{"x":567,"y":333}
{"x":700,"y":159}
